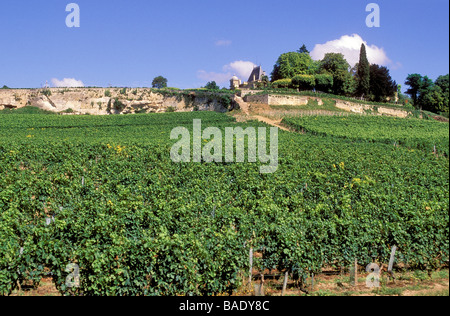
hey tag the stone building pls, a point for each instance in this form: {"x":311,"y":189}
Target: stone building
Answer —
{"x":235,"y":83}
{"x":255,"y":77}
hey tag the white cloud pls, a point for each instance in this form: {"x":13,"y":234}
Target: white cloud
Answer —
{"x":349,"y":46}
{"x":67,"y":83}
{"x":223,"y":43}
{"x":240,"y":68}
{"x":214,"y":76}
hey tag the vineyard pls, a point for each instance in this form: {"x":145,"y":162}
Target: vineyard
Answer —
{"x":411,"y":133}
{"x":100,"y":198}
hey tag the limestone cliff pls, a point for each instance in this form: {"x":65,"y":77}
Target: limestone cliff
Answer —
{"x":104,"y":101}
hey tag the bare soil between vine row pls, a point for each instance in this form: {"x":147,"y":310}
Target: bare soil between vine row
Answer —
{"x":330,"y":283}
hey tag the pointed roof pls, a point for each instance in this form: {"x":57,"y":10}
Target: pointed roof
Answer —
{"x":256,"y":74}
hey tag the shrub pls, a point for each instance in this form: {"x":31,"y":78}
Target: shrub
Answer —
{"x":282,"y":83}
{"x":324,"y":83}
{"x":118,"y":105}
{"x":108,"y":93}
{"x":47,"y":92}
{"x":304,"y":82}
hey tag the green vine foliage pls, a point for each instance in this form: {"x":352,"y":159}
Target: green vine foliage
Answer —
{"x":103,"y":193}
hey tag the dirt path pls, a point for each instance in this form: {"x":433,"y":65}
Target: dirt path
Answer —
{"x":245,"y":108}
{"x":276,"y":123}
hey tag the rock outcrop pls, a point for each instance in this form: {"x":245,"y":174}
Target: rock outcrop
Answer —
{"x":103,"y":101}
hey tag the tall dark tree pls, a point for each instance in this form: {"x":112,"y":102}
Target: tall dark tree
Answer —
{"x":414,"y":81}
{"x":363,"y":73}
{"x":381,"y":84}
{"x":303,"y":50}
{"x":159,"y":82}
{"x":429,"y":96}
{"x":443,"y":83}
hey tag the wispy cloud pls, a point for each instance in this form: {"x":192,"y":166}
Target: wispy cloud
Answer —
{"x":240,"y":68}
{"x":213,"y":76}
{"x":67,"y":83}
{"x":349,"y":46}
{"x":222,"y":43}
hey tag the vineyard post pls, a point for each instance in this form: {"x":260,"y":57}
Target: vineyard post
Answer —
{"x":391,"y":263}
{"x":286,"y":274}
{"x":250,"y":269}
{"x":261,"y":285}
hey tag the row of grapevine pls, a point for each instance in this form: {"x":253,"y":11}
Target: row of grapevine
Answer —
{"x":412,"y":133}
{"x":135,"y":223}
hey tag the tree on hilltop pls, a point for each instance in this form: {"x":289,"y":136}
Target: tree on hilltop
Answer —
{"x":381,"y":84}
{"x":303,"y":50}
{"x":159,"y":82}
{"x":336,"y":65}
{"x":363,"y":73}
{"x":414,"y":81}
{"x":212,"y":85}
{"x":292,"y":64}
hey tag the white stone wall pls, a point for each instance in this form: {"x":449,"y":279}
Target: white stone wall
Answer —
{"x":95,"y":100}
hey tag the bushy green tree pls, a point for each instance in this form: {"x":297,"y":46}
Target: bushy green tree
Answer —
{"x":428,"y":95}
{"x":304,"y":82}
{"x":336,"y":65}
{"x":443,"y":83}
{"x":212,"y":85}
{"x":159,"y":82}
{"x":291,"y":64}
{"x":324,"y":82}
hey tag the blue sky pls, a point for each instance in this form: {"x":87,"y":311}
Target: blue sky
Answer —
{"x":128,"y":43}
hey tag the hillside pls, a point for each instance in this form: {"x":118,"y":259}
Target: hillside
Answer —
{"x":104,"y":101}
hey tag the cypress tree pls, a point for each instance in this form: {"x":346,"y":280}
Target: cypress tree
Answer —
{"x":363,"y":73}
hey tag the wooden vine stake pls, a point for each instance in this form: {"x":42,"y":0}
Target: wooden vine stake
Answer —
{"x":260,"y":290}
{"x":354,"y":274}
{"x":391,"y":263}
{"x":250,"y":270}
{"x":286,"y":274}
